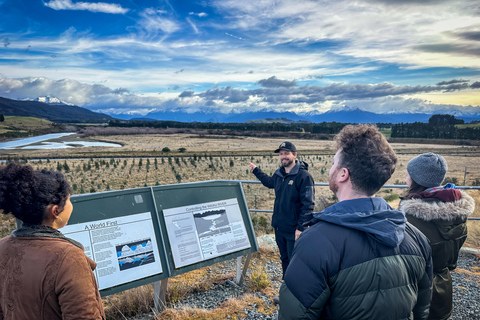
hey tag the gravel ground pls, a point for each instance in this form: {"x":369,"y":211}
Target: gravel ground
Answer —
{"x":466,"y":296}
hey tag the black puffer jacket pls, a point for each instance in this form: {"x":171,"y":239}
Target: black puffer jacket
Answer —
{"x":294,"y":196}
{"x":445,"y":225}
{"x":361,"y":260}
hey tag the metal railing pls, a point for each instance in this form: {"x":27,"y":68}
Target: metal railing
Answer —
{"x":384,"y":187}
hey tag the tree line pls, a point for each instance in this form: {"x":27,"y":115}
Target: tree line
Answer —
{"x":438,"y":127}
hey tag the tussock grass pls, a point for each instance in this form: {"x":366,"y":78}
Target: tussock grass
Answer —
{"x":235,"y":308}
{"x":473,"y":238}
{"x":129,"y":303}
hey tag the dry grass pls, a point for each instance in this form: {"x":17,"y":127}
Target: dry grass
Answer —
{"x":123,"y":173}
{"x":235,"y":308}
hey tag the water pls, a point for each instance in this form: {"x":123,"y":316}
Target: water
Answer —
{"x":26,"y":143}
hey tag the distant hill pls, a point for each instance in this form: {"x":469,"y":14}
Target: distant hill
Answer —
{"x":54,"y":112}
{"x":348,"y":115}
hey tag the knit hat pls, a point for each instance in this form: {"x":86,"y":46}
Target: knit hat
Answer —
{"x":428,"y":169}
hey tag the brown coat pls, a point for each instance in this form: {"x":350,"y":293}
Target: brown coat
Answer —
{"x":46,"y":279}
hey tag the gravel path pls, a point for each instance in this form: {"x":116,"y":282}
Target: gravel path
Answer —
{"x":466,"y":296}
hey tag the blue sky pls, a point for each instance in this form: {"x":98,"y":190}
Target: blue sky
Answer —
{"x":138,"y":56}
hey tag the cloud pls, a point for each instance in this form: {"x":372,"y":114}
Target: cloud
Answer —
{"x":475,"y":85}
{"x":87,"y":6}
{"x":186,"y":94}
{"x":201,"y":14}
{"x":67,"y":90}
{"x":453,"y":81}
{"x":153,"y":21}
{"x":470,"y":35}
{"x":273,"y":82}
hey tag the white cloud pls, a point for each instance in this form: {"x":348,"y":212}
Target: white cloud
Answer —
{"x":153,"y":21}
{"x":87,"y":6}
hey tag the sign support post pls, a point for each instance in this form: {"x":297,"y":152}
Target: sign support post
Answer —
{"x":241,"y":274}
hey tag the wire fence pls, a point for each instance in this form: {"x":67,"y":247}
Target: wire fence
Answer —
{"x":385,"y":186}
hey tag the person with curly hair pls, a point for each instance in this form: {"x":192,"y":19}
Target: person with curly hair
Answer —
{"x":359,"y":259}
{"x":43,"y":274}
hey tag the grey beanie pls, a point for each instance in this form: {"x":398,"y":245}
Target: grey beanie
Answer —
{"x":428,"y":169}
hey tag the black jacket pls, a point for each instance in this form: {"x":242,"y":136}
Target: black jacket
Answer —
{"x":361,"y":260}
{"x":445,"y":225}
{"x":294,"y":196}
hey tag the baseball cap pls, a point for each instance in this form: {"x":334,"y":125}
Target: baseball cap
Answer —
{"x":287,"y":145}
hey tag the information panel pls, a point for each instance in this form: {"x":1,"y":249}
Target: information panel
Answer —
{"x":143,"y":235}
{"x":120,"y":231}
{"x":205,"y":230}
{"x":204,"y":223}
{"x":124,"y":248}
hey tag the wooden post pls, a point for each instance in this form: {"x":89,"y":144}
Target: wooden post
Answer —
{"x":241,"y":274}
{"x":159,"y":292}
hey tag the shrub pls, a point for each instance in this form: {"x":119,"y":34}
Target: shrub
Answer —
{"x":391,"y":197}
{"x":166,"y":149}
{"x":258,"y":279}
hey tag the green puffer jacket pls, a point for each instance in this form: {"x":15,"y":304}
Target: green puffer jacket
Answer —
{"x":445,"y":225}
{"x":359,"y":260}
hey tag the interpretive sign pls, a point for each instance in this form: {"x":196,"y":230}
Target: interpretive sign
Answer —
{"x":143,"y":235}
{"x":204,"y":231}
{"x":120,"y":232}
{"x":204,"y":223}
{"x":124,"y":248}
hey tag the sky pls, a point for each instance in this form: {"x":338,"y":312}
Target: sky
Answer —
{"x":138,"y":56}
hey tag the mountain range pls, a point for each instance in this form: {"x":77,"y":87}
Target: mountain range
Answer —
{"x":56,"y":112}
{"x":348,"y":115}
{"x":61,"y":112}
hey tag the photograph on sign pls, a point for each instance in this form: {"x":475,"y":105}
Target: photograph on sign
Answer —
{"x":206,"y":230}
{"x":124,"y":248}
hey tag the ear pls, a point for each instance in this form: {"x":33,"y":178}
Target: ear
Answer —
{"x":52,"y":211}
{"x":344,"y":175}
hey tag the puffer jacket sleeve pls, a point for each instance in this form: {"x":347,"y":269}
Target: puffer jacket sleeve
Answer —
{"x":421,"y":309}
{"x":264,"y":178}
{"x":292,"y":309}
{"x":77,"y":289}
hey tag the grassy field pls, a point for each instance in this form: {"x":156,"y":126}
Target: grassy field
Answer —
{"x":23,"y":124}
{"x":140,"y":162}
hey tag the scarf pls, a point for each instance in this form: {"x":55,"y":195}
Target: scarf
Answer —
{"x":39,"y":230}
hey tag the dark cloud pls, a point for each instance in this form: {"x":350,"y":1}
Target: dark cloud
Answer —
{"x":470,"y":35}
{"x":475,"y":85}
{"x":186,"y":94}
{"x":121,"y":91}
{"x":273,"y":82}
{"x":468,"y":49}
{"x":453,"y":81}
{"x":408,"y":2}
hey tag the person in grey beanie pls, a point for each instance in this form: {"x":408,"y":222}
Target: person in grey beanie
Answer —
{"x":439,"y":212}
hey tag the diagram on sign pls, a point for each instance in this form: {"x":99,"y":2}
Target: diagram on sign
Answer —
{"x":135,"y":254}
{"x":211,"y":222}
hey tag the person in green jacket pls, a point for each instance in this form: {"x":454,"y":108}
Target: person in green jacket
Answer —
{"x":441,"y":214}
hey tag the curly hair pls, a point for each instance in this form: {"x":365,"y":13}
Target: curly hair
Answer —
{"x":367,"y":155}
{"x":25,"y":192}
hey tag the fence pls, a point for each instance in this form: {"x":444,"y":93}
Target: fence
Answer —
{"x":385,"y":186}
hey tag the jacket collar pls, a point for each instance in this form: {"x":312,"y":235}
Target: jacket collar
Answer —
{"x":429,"y":209}
{"x":370,"y":215}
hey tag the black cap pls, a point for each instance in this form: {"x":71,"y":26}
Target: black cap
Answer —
{"x":287,"y":145}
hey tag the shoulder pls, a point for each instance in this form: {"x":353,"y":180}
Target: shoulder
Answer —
{"x":436,"y":210}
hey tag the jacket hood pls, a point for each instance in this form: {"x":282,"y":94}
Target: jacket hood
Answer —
{"x":429,"y":209}
{"x":370,"y":215}
{"x":299,"y":165}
